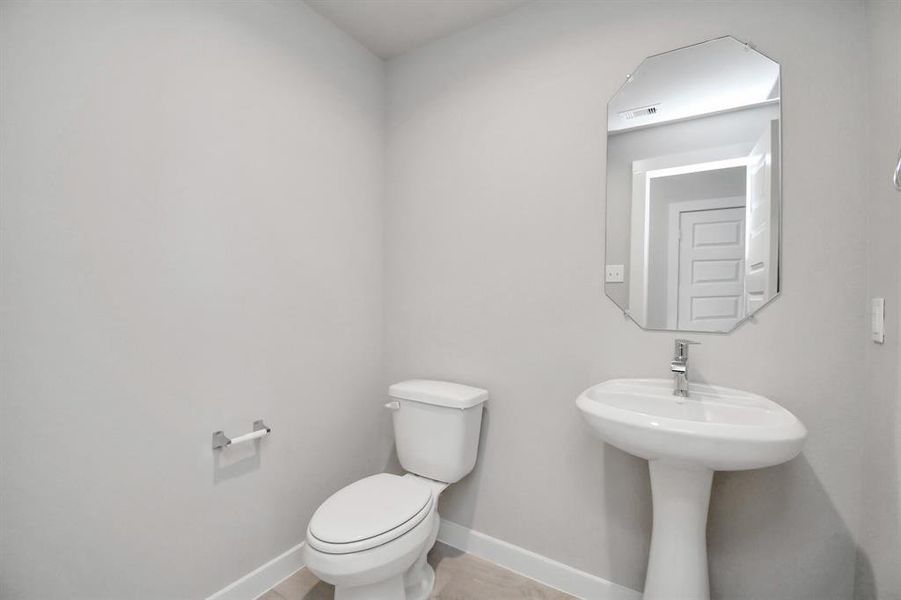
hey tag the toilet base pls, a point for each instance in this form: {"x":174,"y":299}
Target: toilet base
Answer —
{"x":419,"y":581}
{"x":420,"y":577}
{"x":415,"y":584}
{"x":388,"y":589}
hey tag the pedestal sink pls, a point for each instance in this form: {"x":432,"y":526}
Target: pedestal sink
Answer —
{"x":685,"y":440}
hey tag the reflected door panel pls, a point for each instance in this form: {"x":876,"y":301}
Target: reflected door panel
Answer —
{"x":711,"y":268}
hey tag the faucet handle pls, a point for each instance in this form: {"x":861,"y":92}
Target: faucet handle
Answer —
{"x":680,"y":348}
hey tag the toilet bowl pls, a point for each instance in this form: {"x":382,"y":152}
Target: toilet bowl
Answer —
{"x":371,"y":538}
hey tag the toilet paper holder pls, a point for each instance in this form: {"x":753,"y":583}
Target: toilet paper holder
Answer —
{"x":220,"y":440}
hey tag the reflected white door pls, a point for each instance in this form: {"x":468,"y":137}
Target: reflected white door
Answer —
{"x":761,"y":269}
{"x":711,"y":269}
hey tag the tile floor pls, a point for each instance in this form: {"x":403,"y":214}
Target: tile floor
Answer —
{"x":458,"y":576}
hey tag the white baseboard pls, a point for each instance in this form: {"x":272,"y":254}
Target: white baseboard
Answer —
{"x":264,"y":578}
{"x":513,"y":558}
{"x":534,"y":566}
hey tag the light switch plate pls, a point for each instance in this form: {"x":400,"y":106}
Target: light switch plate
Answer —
{"x":615,"y":274}
{"x":877,"y":320}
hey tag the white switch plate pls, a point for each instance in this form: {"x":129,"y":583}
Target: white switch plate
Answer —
{"x":615,"y":274}
{"x":877,"y":320}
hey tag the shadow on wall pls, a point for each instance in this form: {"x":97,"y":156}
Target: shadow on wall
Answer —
{"x":865,"y":580}
{"x":235,"y":461}
{"x":800,"y":547}
{"x":627,"y":504}
{"x":464,"y":494}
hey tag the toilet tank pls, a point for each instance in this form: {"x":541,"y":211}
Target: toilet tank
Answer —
{"x":436,"y":427}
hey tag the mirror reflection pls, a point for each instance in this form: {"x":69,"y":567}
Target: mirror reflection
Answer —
{"x":693,"y":188}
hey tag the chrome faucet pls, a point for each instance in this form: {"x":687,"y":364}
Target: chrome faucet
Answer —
{"x":679,"y":367}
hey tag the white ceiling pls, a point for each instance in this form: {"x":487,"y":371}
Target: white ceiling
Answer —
{"x":391,"y":27}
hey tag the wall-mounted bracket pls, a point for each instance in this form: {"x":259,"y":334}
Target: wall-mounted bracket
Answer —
{"x":220,"y":440}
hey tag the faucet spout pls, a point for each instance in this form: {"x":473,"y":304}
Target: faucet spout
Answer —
{"x":681,"y":387}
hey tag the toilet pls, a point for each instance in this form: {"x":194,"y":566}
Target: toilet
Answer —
{"x":370,"y":539}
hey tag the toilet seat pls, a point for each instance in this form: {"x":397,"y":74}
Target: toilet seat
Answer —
{"x":369,"y":513}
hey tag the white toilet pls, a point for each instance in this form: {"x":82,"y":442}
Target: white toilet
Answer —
{"x":370,"y":539}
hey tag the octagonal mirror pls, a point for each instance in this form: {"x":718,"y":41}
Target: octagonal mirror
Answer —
{"x":694,"y":188}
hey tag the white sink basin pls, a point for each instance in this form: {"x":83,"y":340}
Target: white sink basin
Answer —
{"x":685,"y":440}
{"x":716,"y":427}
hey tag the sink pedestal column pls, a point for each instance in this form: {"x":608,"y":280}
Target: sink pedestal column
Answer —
{"x":677,"y":565}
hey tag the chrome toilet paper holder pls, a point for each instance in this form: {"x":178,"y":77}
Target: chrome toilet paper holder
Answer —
{"x":220,"y":440}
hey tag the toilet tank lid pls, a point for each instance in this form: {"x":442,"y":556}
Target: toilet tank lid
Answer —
{"x":439,"y":393}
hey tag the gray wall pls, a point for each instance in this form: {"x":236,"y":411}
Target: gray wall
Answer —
{"x":191,"y":240}
{"x":495,"y":250}
{"x":880,"y":537}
